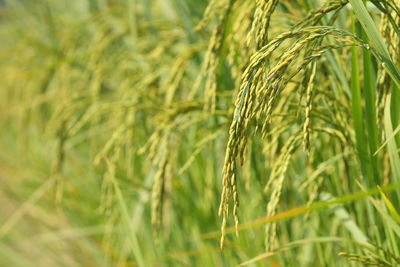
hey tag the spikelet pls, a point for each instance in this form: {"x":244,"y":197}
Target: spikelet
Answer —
{"x":271,"y":91}
{"x":212,"y":57}
{"x":247,"y":167}
{"x":157,"y":195}
{"x":176,"y":74}
{"x":199,"y":147}
{"x":333,"y":132}
{"x":107,"y":189}
{"x":116,"y":137}
{"x":275,"y":183}
{"x":258,"y":91}
{"x":315,"y":16}
{"x":366,"y":260}
{"x":108,"y":198}
{"x":307,"y":121}
{"x":262,"y":17}
{"x":213,"y":8}
{"x":238,"y":51}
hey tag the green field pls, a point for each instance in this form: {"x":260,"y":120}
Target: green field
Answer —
{"x":199,"y":133}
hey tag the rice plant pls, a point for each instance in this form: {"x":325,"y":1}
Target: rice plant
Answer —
{"x":200,"y":133}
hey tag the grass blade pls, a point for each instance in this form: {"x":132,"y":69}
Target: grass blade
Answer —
{"x":370,"y":111}
{"x":128,"y":223}
{"x":357,"y":112}
{"x":392,"y":147}
{"x":369,"y":26}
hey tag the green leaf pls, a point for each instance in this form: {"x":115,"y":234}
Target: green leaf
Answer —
{"x":376,"y":39}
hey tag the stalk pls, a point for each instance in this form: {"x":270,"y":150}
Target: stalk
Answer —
{"x":357,"y":114}
{"x":370,"y":111}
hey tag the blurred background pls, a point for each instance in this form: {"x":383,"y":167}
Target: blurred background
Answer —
{"x":115,"y":118}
